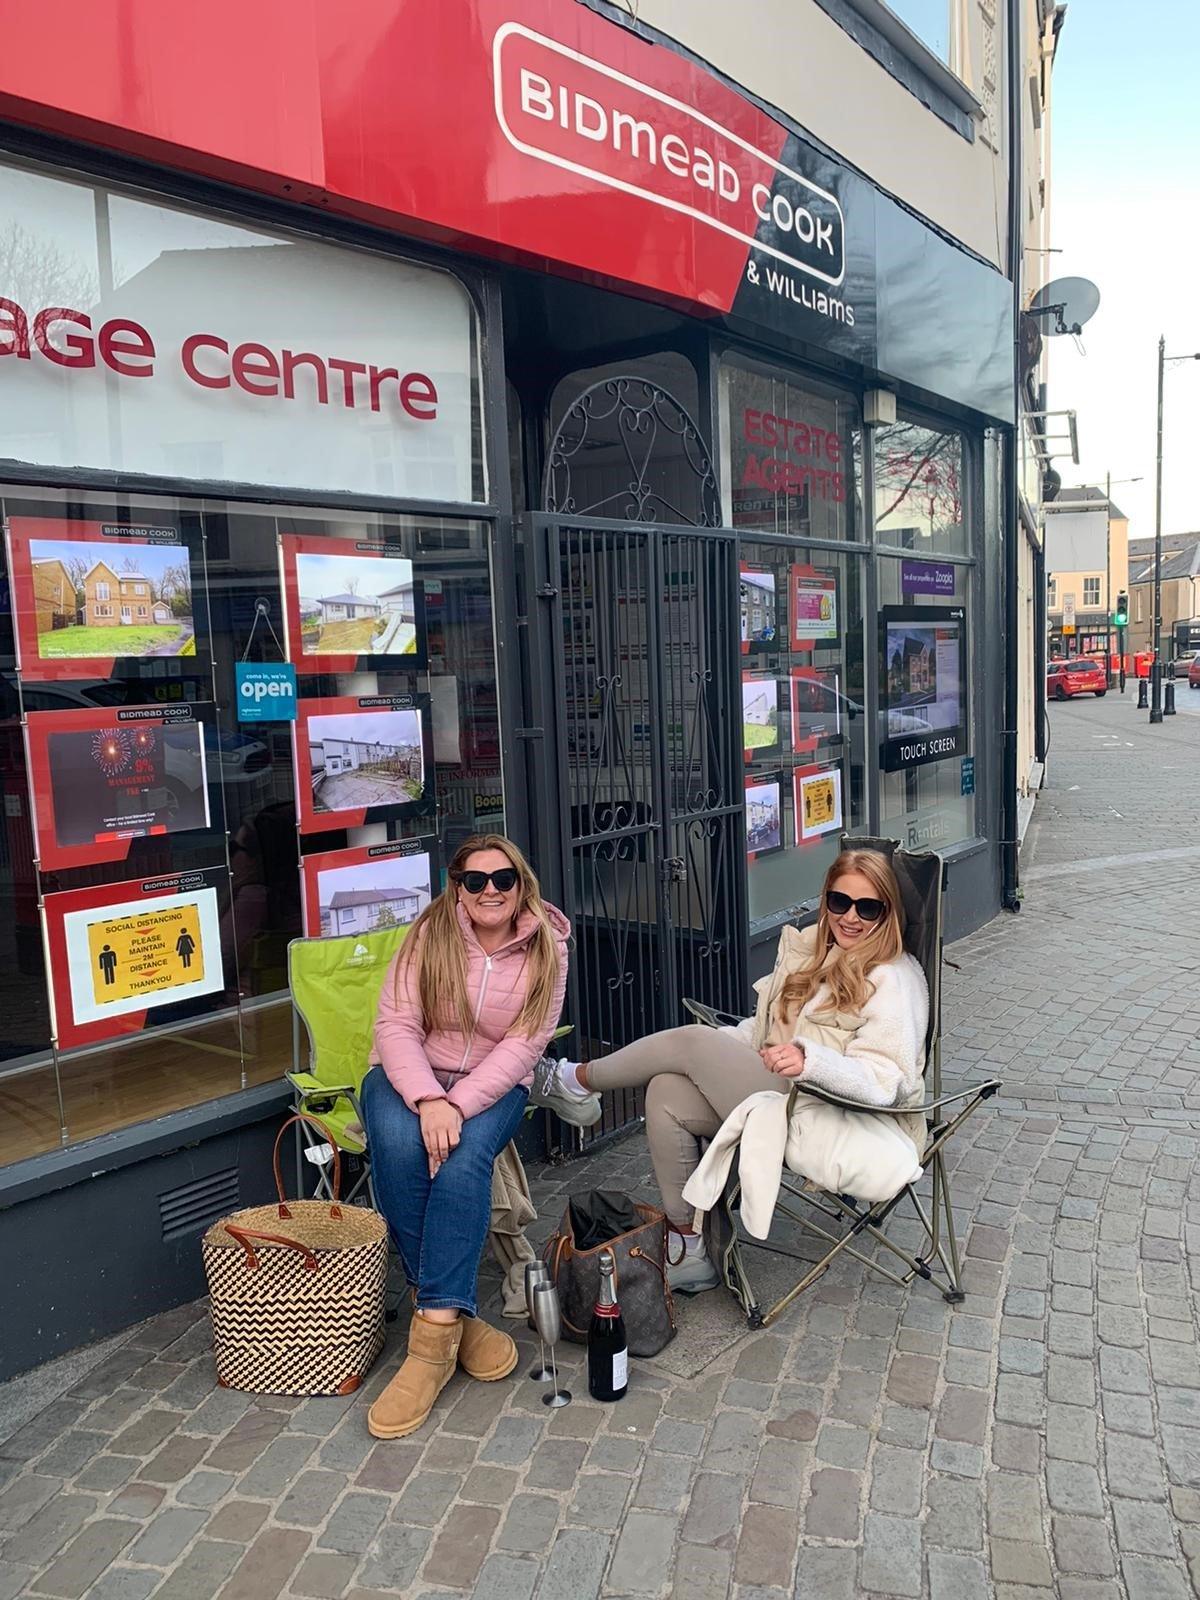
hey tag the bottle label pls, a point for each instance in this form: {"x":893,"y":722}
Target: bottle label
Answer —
{"x":620,"y":1369}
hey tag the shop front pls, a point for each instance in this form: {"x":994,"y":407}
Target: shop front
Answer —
{"x":635,"y":493}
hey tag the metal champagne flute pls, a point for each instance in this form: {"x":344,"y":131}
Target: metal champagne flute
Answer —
{"x":547,"y":1316}
{"x":537,"y":1272}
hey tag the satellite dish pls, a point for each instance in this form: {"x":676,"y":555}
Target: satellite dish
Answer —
{"x":1066,"y":304}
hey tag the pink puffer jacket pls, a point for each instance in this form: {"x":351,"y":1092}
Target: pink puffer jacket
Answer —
{"x":471,"y":1072}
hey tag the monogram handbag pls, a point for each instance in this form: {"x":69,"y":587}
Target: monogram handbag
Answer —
{"x":297,"y":1291}
{"x":637,"y":1236}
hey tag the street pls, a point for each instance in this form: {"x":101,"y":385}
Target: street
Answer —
{"x":1043,"y":1437}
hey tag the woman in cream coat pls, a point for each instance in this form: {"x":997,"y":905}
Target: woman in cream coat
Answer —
{"x":845,"y":1009}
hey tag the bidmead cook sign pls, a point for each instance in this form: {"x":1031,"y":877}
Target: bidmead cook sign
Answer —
{"x":302,"y":366}
{"x":583,"y":116}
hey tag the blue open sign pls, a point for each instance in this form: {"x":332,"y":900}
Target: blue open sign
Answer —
{"x":265,"y":693}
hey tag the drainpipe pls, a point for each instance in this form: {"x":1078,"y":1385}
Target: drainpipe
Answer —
{"x":1010,"y":894}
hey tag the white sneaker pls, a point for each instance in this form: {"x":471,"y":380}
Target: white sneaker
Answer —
{"x":696,"y":1273}
{"x":580,"y":1107}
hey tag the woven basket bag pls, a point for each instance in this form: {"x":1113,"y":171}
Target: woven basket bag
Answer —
{"x":297,"y":1308}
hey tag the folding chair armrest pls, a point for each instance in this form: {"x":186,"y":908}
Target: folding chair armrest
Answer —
{"x":709,"y":1015}
{"x":309,"y":1087}
{"x":984,"y":1090}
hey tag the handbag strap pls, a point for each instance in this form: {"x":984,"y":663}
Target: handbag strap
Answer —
{"x":303,"y":1116}
{"x":244,"y":1236}
{"x":636,"y":1250}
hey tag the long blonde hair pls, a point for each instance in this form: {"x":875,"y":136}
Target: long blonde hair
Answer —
{"x":846,"y":975}
{"x":435,"y":951}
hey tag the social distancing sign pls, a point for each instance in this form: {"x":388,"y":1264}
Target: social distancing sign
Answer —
{"x":142,"y":955}
{"x":133,"y":955}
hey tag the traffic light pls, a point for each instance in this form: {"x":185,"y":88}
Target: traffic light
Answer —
{"x":1121,"y":614}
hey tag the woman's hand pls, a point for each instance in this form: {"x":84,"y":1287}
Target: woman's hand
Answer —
{"x":785,"y":1059}
{"x":441,"y":1128}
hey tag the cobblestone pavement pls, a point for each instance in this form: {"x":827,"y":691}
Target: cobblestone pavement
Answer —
{"x":1042,"y":1438}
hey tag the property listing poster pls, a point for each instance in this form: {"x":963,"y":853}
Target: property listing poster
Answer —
{"x":88,"y":594}
{"x":367,"y":887}
{"x":118,"y":951}
{"x":816,"y":707}
{"x":812,"y":607}
{"x":102,"y":778}
{"x":818,"y":802}
{"x":350,"y":604}
{"x":362,"y":759}
{"x":764,"y":814}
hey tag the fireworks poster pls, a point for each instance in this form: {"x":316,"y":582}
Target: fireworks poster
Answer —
{"x":102,"y":778}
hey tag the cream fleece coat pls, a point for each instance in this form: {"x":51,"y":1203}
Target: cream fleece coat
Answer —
{"x":875,"y":1057}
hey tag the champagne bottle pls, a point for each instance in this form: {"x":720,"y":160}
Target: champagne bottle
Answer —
{"x":608,"y":1349}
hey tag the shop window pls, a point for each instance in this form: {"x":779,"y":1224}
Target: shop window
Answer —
{"x":919,"y":489}
{"x":925,"y":750}
{"x":930,"y":21}
{"x":790,"y":454}
{"x":803,"y":718}
{"x":140,"y":772}
{"x":189,"y":347}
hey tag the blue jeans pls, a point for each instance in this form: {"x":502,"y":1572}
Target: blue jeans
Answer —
{"x":440,"y":1224}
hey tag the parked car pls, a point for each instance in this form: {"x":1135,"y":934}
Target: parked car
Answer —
{"x":1194,"y":673}
{"x":1080,"y":676}
{"x":1183,"y":662}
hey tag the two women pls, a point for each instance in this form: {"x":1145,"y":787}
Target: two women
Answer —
{"x":845,"y":1009}
{"x":467,"y":1008}
{"x":467,"y":1011}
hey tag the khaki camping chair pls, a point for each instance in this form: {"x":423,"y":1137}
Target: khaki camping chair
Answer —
{"x":852,"y":1222}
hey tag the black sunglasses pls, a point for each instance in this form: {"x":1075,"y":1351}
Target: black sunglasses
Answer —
{"x":838,"y":904}
{"x":476,"y":882}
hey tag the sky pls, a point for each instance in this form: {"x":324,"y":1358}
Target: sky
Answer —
{"x":1125,"y":212}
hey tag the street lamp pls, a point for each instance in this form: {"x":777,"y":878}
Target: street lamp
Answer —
{"x":1156,"y":712}
{"x":1108,"y":594}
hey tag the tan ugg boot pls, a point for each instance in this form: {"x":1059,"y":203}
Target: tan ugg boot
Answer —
{"x":407,"y":1401}
{"x":485,"y":1353}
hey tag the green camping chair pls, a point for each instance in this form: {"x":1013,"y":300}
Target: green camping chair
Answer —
{"x":335,"y":985}
{"x":848,"y":1224}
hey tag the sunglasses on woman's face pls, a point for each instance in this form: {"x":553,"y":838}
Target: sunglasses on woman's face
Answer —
{"x":504,"y":881}
{"x":839,"y":904}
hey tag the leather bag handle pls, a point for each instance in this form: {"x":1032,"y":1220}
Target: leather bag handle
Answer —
{"x":335,"y":1210}
{"x":636,"y":1250}
{"x":244,"y":1236}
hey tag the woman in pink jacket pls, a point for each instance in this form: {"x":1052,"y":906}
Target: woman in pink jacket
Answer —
{"x":467,"y":1008}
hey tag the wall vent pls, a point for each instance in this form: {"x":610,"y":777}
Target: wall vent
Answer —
{"x":194,"y":1206}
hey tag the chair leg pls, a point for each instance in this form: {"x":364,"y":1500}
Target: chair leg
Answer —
{"x":955,"y":1294}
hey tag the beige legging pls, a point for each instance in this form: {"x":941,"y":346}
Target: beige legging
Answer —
{"x":694,"y":1077}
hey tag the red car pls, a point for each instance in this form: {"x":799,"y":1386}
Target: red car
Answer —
{"x":1194,"y":672}
{"x":1080,"y":676}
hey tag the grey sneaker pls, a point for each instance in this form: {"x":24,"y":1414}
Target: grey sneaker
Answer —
{"x":694,"y":1274}
{"x":575,"y":1106}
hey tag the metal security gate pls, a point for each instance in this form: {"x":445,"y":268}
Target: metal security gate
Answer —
{"x":634,"y":638}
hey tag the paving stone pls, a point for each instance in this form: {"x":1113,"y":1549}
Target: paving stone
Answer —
{"x":1124,"y":1371}
{"x":576,"y":1566}
{"x":1019,"y":1449}
{"x":702,"y":1573}
{"x":123,"y":1583}
{"x":324,"y":1577}
{"x":896,"y":1476}
{"x":1070,"y":1433}
{"x":1020,"y":1562}
{"x":308,"y":1501}
{"x":1081,"y":1545}
{"x":24,"y":1498}
{"x":427,"y":1498}
{"x":912,"y":1381}
{"x":205,"y":1488}
{"x":891,"y":1559}
{"x":530,"y":1523}
{"x":507,"y":1578}
{"x":679,"y":1438}
{"x":512,"y":1443}
{"x":962,"y":1415}
{"x":93,"y":1548}
{"x":1143,"y":1528}
{"x":555,"y":1463}
{"x":843,"y":1447}
{"x":609,"y":1454}
{"x":1014,"y":1505}
{"x":955,"y":1516}
{"x":1133,"y":1468}
{"x":460,"y":1547}
{"x":713,"y":1511}
{"x":167,"y":1537}
{"x":826,"y":1574}
{"x":45,"y":1533}
{"x":1129,"y":1413}
{"x":832,"y":1510}
{"x":201,"y":1573}
{"x":1073,"y":1487}
{"x":953,"y":1577}
{"x":599,"y":1500}
{"x":766,"y":1548}
{"x":664,"y":1482}
{"x":264,"y":1569}
{"x":1147,"y":1579}
{"x":964,"y":1460}
{"x":388,"y":1466}
{"x":490,"y":1486}
{"x":394,"y":1558}
{"x":238,"y":1521}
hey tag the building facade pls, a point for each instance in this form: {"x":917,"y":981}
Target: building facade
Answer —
{"x":1180,"y":596}
{"x":670,"y":372}
{"x":1087,"y":568}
